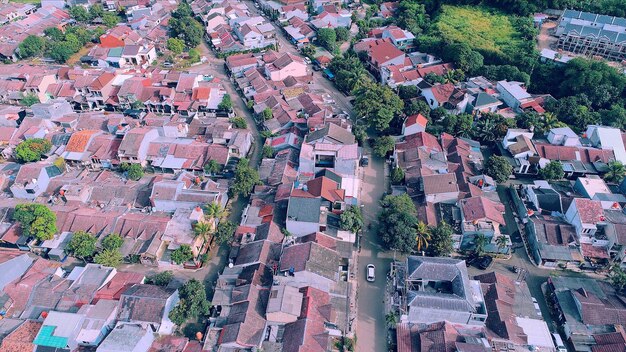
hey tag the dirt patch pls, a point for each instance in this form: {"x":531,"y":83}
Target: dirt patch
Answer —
{"x":546,"y":40}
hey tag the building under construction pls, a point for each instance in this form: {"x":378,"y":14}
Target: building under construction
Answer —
{"x":592,"y":35}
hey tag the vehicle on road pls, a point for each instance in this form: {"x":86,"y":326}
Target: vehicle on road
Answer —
{"x":329,"y":74}
{"x":560,"y":347}
{"x":481,"y":263}
{"x":365,"y":160}
{"x":307,"y":60}
{"x":371,"y":276}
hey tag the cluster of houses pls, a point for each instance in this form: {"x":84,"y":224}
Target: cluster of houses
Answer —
{"x":293,"y":288}
{"x":18,"y":21}
{"x":390,"y":57}
{"x":231,"y":27}
{"x":442,"y":308}
{"x":91,"y":307}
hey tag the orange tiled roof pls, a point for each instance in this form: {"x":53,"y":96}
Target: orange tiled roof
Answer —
{"x":79,"y":141}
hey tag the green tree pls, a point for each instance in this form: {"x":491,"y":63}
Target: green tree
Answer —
{"x":267,"y":114}
{"x":32,"y":149}
{"x":502,"y":241}
{"x":160,"y":279}
{"x":422,"y":236}
{"x":308,"y":51}
{"x":215,"y":211}
{"x":239,"y":122}
{"x":184,"y":26}
{"x":110,"y":20}
{"x":96,"y":11}
{"x":109,"y":257}
{"x":226,"y":103}
{"x":349,"y":72}
{"x":134,"y":171}
{"x":397,"y":223}
{"x":351,"y":219}
{"x":203,"y":229}
{"x":193,"y":302}
{"x":378,"y":104}
{"x":36,"y":220}
{"x":61,"y":51}
{"x":417,"y":107}
{"x":212,"y":167}
{"x":225,"y":231}
{"x":54,"y":34}
{"x":194,"y":56}
{"x":342,"y":34}
{"x":614,"y":117}
{"x":615,"y":173}
{"x":112,"y":242}
{"x":441,"y":243}
{"x":383,"y":145}
{"x":29,"y":100}
{"x":397,"y":176}
{"x":480,"y":241}
{"x":552,"y":171}
{"x":327,"y":38}
{"x":268,"y":151}
{"x":82,"y":244}
{"x":498,"y":168}
{"x":245,"y":179}
{"x":412,"y":16}
{"x":182,"y":254}
{"x":391,"y":319}
{"x":463,"y":57}
{"x":79,"y":14}
{"x":407,"y":92}
{"x":175,"y":45}
{"x":31,"y":46}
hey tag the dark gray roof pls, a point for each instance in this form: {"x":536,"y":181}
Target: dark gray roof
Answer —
{"x":304,"y":209}
{"x":548,"y":199}
{"x":53,"y":171}
{"x":333,"y":132}
{"x":484,"y":99}
{"x":441,"y":269}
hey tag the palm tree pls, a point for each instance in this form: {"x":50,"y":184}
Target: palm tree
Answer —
{"x":423,"y":235}
{"x":548,"y":122}
{"x":203,"y":229}
{"x":485,"y":130}
{"x":616,"y":172}
{"x":480,"y":242}
{"x":502,"y":242}
{"x":214,"y":210}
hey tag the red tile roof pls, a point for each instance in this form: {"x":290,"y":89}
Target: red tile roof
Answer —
{"x":21,"y":339}
{"x":416,"y":119}
{"x":590,"y":211}
{"x":326,"y":188}
{"x":478,"y":208}
{"x":118,"y":284}
{"x":79,"y":141}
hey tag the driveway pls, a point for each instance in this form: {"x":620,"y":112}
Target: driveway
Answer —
{"x":370,"y":324}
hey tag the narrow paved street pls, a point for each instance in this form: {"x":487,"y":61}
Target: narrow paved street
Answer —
{"x":370,"y":324}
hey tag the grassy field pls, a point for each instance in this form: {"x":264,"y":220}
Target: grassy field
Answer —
{"x":34,"y":2}
{"x":482,"y":28}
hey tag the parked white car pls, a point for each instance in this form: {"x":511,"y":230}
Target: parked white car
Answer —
{"x":371,"y":276}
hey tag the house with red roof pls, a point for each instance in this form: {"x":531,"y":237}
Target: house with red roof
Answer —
{"x":482,"y":216}
{"x":585,"y":215}
{"x":448,"y":96}
{"x":414,"y":124}
{"x":381,"y":53}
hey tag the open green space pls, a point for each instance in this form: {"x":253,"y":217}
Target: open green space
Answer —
{"x":34,"y":2}
{"x":484,"y":29}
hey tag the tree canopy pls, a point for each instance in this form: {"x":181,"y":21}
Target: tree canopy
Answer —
{"x":175,"y":45}
{"x":225,"y":232}
{"x":109,"y":257}
{"x":182,"y":254}
{"x":397,"y":223}
{"x":327,"y":37}
{"x":36,"y":220}
{"x":552,"y":171}
{"x":160,"y":279}
{"x":82,"y":244}
{"x":245,"y":179}
{"x":351,"y":219}
{"x":499,"y":168}
{"x":383,"y":145}
{"x":377,"y":104}
{"x":185,"y":27}
{"x":226,"y":103}
{"x":441,"y":243}
{"x":32,"y":46}
{"x":112,"y":241}
{"x":32,"y":149}
{"x":193,"y":302}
